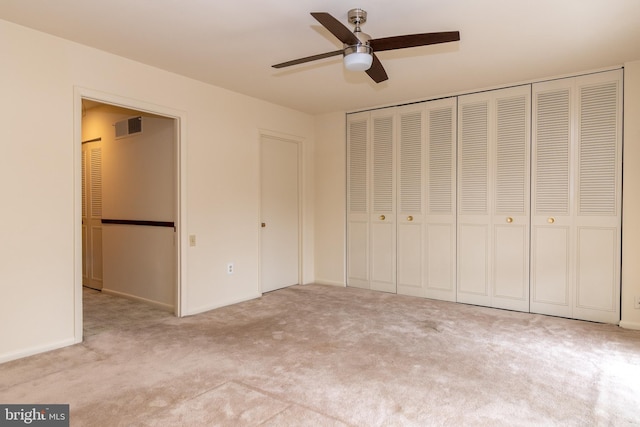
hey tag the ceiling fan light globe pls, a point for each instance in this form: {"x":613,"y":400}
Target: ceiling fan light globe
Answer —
{"x":358,"y":61}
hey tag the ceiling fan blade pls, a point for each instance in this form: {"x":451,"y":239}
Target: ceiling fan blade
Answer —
{"x":377,"y":72}
{"x":336,"y":28}
{"x":309,"y":59}
{"x":413,"y":40}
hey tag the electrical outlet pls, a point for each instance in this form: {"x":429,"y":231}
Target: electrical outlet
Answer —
{"x":192,"y":239}
{"x":636,"y":304}
{"x":230,"y":268}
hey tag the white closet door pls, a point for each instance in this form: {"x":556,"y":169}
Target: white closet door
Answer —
{"x":473,"y":200}
{"x":410,"y":218}
{"x":440,"y":218}
{"x":511,"y":199}
{"x":551,"y":221}
{"x":358,"y":200}
{"x":493,"y":197}
{"x":577,"y":189}
{"x":383,"y":200}
{"x":598,"y":190}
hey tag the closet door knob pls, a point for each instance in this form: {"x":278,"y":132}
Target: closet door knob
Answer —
{"x":551,"y":220}
{"x":382,"y":217}
{"x":410,"y":218}
{"x":509,"y":219}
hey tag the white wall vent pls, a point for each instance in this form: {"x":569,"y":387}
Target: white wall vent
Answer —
{"x":128,"y":127}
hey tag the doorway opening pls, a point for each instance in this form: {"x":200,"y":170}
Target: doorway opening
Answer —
{"x":130,"y":202}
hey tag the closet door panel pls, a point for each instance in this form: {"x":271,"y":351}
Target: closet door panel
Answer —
{"x":473,"y":263}
{"x":358,"y":244}
{"x":383,"y":252}
{"x":473,"y":201}
{"x":577,"y":166}
{"x":383,"y":195}
{"x":596,"y":279}
{"x":410,"y":217}
{"x":551,"y":269}
{"x":358,"y":200}
{"x":511,"y":272}
{"x":551,"y":219}
{"x":598,"y":177}
{"x":441,"y":261}
{"x":410,"y":255}
{"x":511,"y":198}
{"x":441,"y":220}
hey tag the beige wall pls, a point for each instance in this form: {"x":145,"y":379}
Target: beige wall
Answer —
{"x":39,"y":180}
{"x":330,"y":165}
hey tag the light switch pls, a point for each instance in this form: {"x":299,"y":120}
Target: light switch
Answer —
{"x":192,"y":240}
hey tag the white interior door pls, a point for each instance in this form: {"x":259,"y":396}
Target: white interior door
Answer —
{"x":279,"y":240}
{"x":92,"y":214}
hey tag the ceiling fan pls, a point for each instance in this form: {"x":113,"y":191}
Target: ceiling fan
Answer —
{"x":359,"y":48}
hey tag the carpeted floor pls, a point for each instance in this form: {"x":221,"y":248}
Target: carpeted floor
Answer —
{"x":328,"y":356}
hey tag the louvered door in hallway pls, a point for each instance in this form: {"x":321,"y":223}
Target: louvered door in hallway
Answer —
{"x":92,"y":214}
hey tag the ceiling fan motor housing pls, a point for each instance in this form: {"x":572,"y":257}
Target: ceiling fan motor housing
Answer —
{"x":362,"y":59}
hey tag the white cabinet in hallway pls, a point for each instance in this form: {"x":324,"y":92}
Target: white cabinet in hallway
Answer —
{"x":576,"y":219}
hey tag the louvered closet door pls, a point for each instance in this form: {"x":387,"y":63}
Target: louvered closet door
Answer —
{"x":410,"y":218}
{"x":493,"y":198}
{"x":382,"y":247}
{"x":440,"y":218}
{"x":511,"y":199}
{"x":576,"y":201}
{"x":358,"y":200}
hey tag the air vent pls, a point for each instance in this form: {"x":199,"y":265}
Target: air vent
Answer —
{"x":128,"y":127}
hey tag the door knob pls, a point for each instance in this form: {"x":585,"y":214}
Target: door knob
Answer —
{"x":410,"y":218}
{"x":509,"y":219}
{"x":382,"y":217}
{"x":263,"y":225}
{"x":551,"y":220}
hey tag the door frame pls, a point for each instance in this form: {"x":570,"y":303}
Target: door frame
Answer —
{"x":299,"y":142}
{"x":180,"y":119}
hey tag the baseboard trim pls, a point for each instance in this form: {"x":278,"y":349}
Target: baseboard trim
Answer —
{"x":329,"y":282}
{"x":7,"y":357}
{"x":206,"y":308}
{"x":161,"y":305}
{"x":629,"y":325}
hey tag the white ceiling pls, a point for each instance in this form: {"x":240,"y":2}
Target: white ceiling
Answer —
{"x":233,"y":43}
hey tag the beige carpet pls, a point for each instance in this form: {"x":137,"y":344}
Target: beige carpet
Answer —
{"x":328,"y":356}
